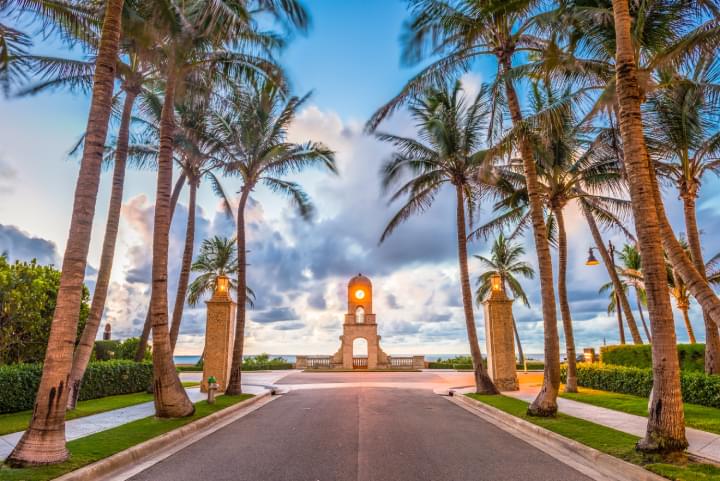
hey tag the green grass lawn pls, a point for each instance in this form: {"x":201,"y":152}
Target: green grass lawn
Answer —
{"x":698,"y":417}
{"x":607,"y":440}
{"x":106,"y":443}
{"x":13,"y":422}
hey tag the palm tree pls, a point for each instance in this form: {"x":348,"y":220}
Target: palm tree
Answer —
{"x":571,"y":168}
{"x":44,"y":441}
{"x":134,"y":71}
{"x":450,"y":127}
{"x":217,"y":257}
{"x":666,"y":422}
{"x":198,"y":160}
{"x":505,"y":262}
{"x":681,"y":123}
{"x":460,"y":32}
{"x":194,"y":53}
{"x":253,"y":132}
{"x":665,"y":35}
{"x":631,"y":271}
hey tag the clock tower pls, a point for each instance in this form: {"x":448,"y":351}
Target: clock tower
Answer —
{"x":360,"y":324}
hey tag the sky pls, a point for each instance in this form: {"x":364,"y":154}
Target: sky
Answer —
{"x":299,"y":270}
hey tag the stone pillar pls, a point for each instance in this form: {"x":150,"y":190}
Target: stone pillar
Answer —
{"x":500,"y":341}
{"x":219,"y":338}
{"x":418,"y":362}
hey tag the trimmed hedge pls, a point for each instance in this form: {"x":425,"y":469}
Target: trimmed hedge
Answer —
{"x":273,"y":366}
{"x":531,"y":365}
{"x":19,"y":382}
{"x":697,"y":388}
{"x":691,"y":356}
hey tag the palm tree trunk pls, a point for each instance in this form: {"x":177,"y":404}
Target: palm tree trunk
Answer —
{"x":666,"y":421}
{"x":44,"y":441}
{"x":691,"y":333}
{"x":618,"y":312}
{"x":170,"y":397}
{"x":642,"y":316}
{"x":571,"y":382}
{"x":185,"y":269}
{"x":712,"y":338}
{"x":483,"y":383}
{"x":87,"y":340}
{"x":521,"y":356}
{"x":614,"y":278}
{"x":142,"y":345}
{"x":545,"y":404}
{"x":234,"y":386}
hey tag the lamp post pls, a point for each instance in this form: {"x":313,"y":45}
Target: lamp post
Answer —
{"x":592,"y":261}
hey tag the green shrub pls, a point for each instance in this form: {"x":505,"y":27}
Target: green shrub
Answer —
{"x":691,"y":356}
{"x":27,"y":301}
{"x":263,"y":362}
{"x":697,"y":388}
{"x":19,"y":382}
{"x":115,"y":349}
{"x":462,"y":366}
{"x":532,"y":366}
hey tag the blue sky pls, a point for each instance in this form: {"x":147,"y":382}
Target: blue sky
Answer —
{"x":351,"y":60}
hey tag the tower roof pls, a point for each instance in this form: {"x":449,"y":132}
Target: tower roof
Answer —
{"x":360,"y":279}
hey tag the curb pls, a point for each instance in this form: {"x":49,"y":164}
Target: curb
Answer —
{"x":587,"y":460}
{"x":147,"y":449}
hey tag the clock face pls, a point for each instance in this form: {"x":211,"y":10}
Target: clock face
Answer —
{"x":359,"y":294}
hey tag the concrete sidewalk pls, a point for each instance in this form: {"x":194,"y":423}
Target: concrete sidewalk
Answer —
{"x":254,"y":383}
{"x":702,"y":443}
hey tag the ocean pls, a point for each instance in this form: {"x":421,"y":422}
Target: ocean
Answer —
{"x":291,"y":357}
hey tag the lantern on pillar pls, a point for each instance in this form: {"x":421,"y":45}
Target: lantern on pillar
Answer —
{"x":496,"y":283}
{"x":222,"y":285}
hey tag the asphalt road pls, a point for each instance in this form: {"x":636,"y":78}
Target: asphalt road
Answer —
{"x":360,"y":434}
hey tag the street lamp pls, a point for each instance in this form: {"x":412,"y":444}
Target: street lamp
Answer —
{"x":592,"y":261}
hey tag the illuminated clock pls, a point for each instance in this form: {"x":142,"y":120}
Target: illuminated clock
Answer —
{"x":359,"y":294}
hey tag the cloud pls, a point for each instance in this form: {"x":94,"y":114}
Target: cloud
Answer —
{"x":299,"y":270}
{"x":20,"y":245}
{"x":275,"y":314}
{"x":8,"y":177}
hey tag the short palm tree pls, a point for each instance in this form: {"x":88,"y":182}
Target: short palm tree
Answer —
{"x":631,"y":272}
{"x":505,"y":261}
{"x":217,"y":257}
{"x":252,"y":131}
{"x":450,"y":127}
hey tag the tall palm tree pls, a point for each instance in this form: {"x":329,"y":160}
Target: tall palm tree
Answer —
{"x":450,"y":127}
{"x":666,"y":421}
{"x":681,"y":122}
{"x":44,"y":441}
{"x":135,"y":71}
{"x":505,"y":261}
{"x":665,"y":35}
{"x":253,"y":132}
{"x":217,"y":257}
{"x":571,"y":168}
{"x":460,"y":31}
{"x":196,"y":40}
